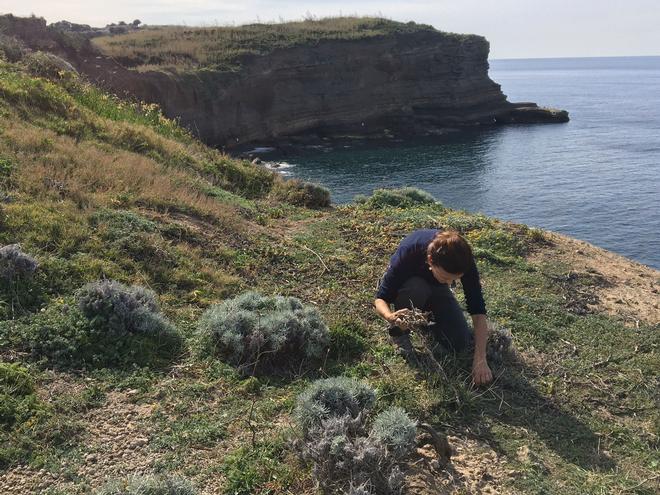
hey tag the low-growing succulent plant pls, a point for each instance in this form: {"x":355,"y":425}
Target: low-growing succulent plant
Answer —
{"x":261,"y":333}
{"x":115,"y":307}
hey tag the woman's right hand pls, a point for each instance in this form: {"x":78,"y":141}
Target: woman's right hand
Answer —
{"x":395,"y":315}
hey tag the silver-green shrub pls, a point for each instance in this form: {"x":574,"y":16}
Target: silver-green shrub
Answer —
{"x":264,"y":333}
{"x":332,"y":397}
{"x":149,"y":485}
{"x":394,"y":428}
{"x":333,"y":415}
{"x":14,"y":263}
{"x":117,"y":308}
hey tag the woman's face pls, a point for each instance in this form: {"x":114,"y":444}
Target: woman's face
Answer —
{"x":443,"y":276}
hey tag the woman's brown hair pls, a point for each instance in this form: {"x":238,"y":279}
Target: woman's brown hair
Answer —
{"x":450,"y":251}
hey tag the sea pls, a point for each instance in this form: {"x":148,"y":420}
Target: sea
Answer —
{"x":596,"y":178}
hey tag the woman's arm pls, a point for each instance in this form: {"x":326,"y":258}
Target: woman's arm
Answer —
{"x":481,"y":373}
{"x":383,"y":309}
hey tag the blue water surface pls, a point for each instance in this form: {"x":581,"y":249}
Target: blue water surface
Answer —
{"x":596,"y":178}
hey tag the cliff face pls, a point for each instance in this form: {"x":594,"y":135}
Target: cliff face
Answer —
{"x":415,"y":83}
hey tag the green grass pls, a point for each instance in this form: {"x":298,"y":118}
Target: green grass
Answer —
{"x":179,"y":48}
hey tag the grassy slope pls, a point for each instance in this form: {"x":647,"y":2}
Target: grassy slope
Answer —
{"x":575,"y":413}
{"x":185,"y":48}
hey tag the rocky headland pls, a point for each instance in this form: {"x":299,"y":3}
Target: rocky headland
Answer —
{"x":407,"y":82}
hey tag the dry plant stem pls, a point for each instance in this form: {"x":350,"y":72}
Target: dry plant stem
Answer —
{"x":325,"y":267}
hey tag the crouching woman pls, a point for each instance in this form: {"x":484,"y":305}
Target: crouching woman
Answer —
{"x":419,"y":276}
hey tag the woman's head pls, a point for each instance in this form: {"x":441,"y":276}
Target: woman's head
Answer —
{"x":449,"y":256}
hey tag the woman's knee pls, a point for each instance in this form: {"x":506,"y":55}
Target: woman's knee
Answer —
{"x":415,"y":292}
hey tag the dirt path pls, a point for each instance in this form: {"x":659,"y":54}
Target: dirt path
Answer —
{"x":629,"y":290}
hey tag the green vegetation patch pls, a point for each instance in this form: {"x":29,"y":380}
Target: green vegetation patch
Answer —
{"x":400,"y":198}
{"x":148,"y":485}
{"x":30,"y":429}
{"x":179,"y":48}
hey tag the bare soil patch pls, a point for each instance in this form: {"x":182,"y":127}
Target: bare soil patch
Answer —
{"x":475,"y":468}
{"x":618,"y":286}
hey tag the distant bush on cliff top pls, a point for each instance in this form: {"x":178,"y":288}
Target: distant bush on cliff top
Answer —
{"x":299,"y":193}
{"x":180,"y":48}
{"x":401,"y":198}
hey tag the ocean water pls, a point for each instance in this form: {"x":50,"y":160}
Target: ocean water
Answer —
{"x":596,"y":178}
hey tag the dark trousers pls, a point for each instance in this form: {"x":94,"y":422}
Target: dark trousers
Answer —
{"x":450,"y":328}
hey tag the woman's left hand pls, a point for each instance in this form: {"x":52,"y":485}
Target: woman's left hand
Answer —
{"x":481,"y":374}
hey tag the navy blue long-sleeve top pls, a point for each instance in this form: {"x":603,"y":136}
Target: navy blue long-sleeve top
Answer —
{"x":409,"y":260}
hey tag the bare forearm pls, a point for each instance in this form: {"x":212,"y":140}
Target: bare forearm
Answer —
{"x":383,"y":309}
{"x":480,"y":325}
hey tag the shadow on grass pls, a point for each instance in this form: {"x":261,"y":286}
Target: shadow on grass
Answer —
{"x":526,"y":408}
{"x":515,"y":401}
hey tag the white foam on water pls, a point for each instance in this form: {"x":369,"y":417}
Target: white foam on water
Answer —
{"x":262,"y":149}
{"x":280,"y":167}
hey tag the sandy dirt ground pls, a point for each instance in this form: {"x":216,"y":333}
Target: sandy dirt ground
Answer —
{"x":625,"y":289}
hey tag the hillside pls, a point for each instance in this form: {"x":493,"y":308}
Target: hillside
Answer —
{"x":97,"y":188}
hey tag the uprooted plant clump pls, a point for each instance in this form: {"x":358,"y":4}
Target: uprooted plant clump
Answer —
{"x":261,"y":334}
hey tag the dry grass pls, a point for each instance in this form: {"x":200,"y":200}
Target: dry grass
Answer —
{"x":91,"y":174}
{"x":185,"y":48}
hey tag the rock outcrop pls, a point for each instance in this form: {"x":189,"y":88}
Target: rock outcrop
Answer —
{"x":406,"y":84}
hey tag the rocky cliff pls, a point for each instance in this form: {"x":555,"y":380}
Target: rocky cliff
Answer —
{"x":409,"y":83}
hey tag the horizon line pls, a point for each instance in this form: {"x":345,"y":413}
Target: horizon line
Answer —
{"x":573,"y":57}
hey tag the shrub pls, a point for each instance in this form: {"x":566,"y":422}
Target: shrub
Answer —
{"x":332,"y":397}
{"x":400,"y":198}
{"x":148,"y":485}
{"x":261,"y":333}
{"x":394,"y":428}
{"x":119,"y":309}
{"x":15,"y":264}
{"x":332,"y":415}
{"x":301,"y":193}
{"x":20,"y":293}
{"x":48,"y":65}
{"x":60,"y":336}
{"x":11,"y":49}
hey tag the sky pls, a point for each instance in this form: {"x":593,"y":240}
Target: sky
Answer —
{"x":515,"y":28}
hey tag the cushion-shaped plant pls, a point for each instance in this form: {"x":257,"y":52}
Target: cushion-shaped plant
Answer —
{"x":115,"y":307}
{"x":263,"y":333}
{"x":394,"y":428}
{"x":332,"y":397}
{"x":14,"y":263}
